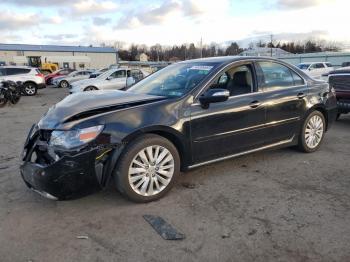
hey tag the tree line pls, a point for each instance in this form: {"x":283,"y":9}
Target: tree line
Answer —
{"x":191,"y":51}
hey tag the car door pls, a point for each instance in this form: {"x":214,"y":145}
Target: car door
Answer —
{"x":233,"y":126}
{"x":116,"y":80}
{"x":285,"y":93}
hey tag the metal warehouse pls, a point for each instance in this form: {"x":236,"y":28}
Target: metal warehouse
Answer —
{"x":76,"y":57}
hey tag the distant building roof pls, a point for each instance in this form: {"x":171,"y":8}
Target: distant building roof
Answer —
{"x":56,"y":48}
{"x":264,"y":51}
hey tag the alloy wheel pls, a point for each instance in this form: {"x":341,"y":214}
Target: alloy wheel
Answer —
{"x":151,"y":170}
{"x":314,"y":131}
{"x":29,"y":89}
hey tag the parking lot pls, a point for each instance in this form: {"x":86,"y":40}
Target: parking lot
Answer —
{"x":279,"y":205}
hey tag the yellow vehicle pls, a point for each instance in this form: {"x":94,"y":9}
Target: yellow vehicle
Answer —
{"x":45,"y":68}
{"x":48,"y":68}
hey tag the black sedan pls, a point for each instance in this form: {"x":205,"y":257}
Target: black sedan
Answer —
{"x":186,"y":115}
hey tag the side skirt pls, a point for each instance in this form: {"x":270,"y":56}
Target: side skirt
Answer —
{"x":278,"y":144}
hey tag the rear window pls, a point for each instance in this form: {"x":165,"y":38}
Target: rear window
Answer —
{"x":329,"y":65}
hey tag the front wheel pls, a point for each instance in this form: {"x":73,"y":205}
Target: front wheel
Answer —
{"x":312,"y":132}
{"x":147,"y":169}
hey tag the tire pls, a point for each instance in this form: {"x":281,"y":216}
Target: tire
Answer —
{"x":90,"y":88}
{"x":148,"y":176}
{"x":30,"y":89}
{"x":3,"y":98}
{"x":63,"y":84}
{"x":312,"y":133}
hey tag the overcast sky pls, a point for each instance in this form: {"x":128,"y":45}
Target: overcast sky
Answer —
{"x":171,"y":22}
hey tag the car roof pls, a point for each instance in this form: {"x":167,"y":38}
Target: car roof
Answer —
{"x":229,"y":59}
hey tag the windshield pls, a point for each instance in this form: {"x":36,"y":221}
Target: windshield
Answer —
{"x":174,"y":80}
{"x":105,"y":74}
{"x":304,"y":66}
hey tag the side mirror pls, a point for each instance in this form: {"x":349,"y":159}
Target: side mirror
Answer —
{"x":109,"y":78}
{"x":213,"y":96}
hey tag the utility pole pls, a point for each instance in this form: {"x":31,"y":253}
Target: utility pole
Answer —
{"x":271,"y":45}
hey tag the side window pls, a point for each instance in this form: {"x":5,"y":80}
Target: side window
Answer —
{"x":11,"y":71}
{"x":2,"y":72}
{"x":274,"y":75}
{"x":329,"y":65}
{"x":298,"y":81}
{"x":237,"y":80}
{"x":319,"y":65}
{"x":118,"y":74}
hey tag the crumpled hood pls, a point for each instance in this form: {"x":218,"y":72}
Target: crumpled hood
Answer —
{"x":78,"y":105}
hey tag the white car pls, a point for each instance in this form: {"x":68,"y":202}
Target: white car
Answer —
{"x":31,"y":77}
{"x":115,"y":79}
{"x":66,"y":81}
{"x":316,"y":69}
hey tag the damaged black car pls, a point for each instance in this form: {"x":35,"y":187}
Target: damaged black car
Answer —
{"x":186,"y":115}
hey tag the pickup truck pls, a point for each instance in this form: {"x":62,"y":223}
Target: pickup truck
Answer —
{"x":340,"y":80}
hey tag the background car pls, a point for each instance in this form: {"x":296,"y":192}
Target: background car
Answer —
{"x":316,"y":69}
{"x":98,"y":72}
{"x":117,"y":79}
{"x":340,"y":80}
{"x":31,"y":78}
{"x":61,"y":72}
{"x":66,"y":81}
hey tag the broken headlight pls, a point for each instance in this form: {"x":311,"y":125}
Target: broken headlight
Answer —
{"x":74,"y":138}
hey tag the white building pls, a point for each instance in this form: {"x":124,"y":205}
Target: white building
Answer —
{"x":65,"y":56}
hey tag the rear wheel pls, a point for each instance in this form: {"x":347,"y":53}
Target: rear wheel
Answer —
{"x":63,"y":84}
{"x":30,"y":89}
{"x":312,"y":132}
{"x":147,"y":168}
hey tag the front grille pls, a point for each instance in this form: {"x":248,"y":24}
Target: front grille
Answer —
{"x":45,"y":135}
{"x":340,"y":82}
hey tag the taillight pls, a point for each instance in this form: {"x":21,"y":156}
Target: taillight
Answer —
{"x":40,"y":75}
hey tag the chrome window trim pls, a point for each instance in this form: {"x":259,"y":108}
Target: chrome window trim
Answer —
{"x":260,"y":91}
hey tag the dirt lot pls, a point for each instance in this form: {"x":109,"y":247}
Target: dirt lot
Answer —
{"x":270,"y":206}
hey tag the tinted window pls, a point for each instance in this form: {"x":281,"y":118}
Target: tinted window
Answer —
{"x":319,"y":65}
{"x":237,"y":80}
{"x":2,"y":72}
{"x":274,"y":75}
{"x":17,"y":71}
{"x":329,"y":64}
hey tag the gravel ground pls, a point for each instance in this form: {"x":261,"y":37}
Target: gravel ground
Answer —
{"x":270,"y":206}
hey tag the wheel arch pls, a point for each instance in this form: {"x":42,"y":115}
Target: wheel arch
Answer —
{"x":30,"y":82}
{"x":321,"y":108}
{"x":170,"y":134}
